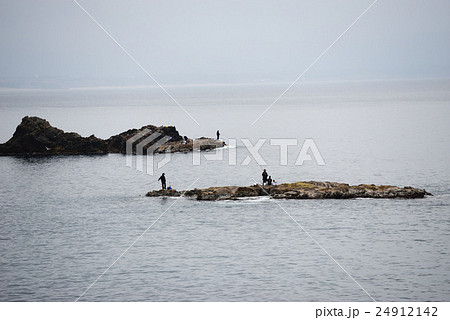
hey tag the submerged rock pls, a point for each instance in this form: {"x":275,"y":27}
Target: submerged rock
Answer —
{"x":35,"y":136}
{"x":303,"y":190}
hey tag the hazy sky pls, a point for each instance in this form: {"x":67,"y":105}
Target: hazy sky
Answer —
{"x":220,"y":41}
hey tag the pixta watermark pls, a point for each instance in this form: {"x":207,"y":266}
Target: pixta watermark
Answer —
{"x":252,"y":151}
{"x":140,"y":151}
{"x":141,"y":147}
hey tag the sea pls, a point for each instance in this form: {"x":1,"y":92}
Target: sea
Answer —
{"x":80,"y":228}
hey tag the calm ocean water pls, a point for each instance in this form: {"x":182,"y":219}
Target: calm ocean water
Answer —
{"x":64,"y":220}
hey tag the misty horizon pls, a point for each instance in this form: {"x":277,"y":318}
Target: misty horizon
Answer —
{"x":55,"y":44}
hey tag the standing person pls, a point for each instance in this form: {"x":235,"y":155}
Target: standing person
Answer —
{"x":218,"y":134}
{"x":163,"y":181}
{"x":264,"y":176}
{"x":269,"y":181}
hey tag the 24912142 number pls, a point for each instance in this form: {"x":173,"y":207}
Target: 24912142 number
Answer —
{"x":406,"y":312}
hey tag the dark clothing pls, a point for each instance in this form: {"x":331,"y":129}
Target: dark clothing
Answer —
{"x":264,"y":177}
{"x":269,"y":181}
{"x":163,"y":181}
{"x":218,"y":134}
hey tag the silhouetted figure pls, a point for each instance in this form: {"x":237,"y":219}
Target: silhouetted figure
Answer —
{"x":218,"y":134}
{"x":264,"y":176}
{"x":163,"y":181}
{"x":269,"y":181}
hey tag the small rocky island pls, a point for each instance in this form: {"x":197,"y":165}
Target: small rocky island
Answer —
{"x":297,"y":190}
{"x":35,"y":136}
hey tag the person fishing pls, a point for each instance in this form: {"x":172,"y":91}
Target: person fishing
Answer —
{"x":264,"y":176}
{"x":163,"y":181}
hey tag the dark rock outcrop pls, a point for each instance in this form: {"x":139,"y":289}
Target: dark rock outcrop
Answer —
{"x":303,"y":190}
{"x":199,"y":144}
{"x":164,"y":193}
{"x":117,"y":143}
{"x":35,"y":136}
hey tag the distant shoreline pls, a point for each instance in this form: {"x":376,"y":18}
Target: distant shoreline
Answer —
{"x":66,"y":85}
